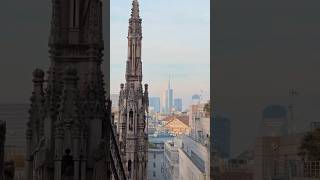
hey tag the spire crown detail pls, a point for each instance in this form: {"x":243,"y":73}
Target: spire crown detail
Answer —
{"x":134,"y":64}
{"x":135,"y":10}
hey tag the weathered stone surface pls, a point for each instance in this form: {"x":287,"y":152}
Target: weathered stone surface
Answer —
{"x":9,"y":169}
{"x":69,"y":119}
{"x":133,"y":105}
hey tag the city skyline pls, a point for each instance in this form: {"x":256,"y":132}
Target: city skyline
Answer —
{"x":186,"y":58}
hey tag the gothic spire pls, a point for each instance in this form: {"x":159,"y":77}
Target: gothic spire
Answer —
{"x":134,"y":64}
{"x":135,"y":21}
{"x":135,"y":10}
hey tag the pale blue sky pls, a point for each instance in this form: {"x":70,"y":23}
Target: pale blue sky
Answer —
{"x":176,"y":41}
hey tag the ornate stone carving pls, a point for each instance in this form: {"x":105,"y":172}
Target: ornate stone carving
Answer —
{"x":71,"y":116}
{"x":133,"y":104}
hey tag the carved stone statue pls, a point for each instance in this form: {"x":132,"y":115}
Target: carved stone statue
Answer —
{"x":67,"y":166}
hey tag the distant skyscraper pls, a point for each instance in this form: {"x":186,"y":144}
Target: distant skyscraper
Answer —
{"x":274,"y":121}
{"x":221,"y":136}
{"x":115,"y":100}
{"x":178,"y":104}
{"x":167,"y":100}
{"x":170,"y":97}
{"x":196,"y":99}
{"x":16,"y":116}
{"x":164,"y":104}
{"x":155,"y":103}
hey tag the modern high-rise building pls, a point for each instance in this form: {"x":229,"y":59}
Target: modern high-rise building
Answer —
{"x":274,"y":121}
{"x":115,"y":100}
{"x":133,"y":105}
{"x":170,"y":99}
{"x":196,"y":99}
{"x":154,"y":102}
{"x":178,"y":104}
{"x":222,"y":136}
{"x":164,"y":104}
{"x":167,"y":100}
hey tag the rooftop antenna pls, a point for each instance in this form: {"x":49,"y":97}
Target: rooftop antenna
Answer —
{"x":201,"y":95}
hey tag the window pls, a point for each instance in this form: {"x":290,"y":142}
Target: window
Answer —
{"x":130,"y":120}
{"x":154,"y":155}
{"x":154,"y":174}
{"x":154,"y":164}
{"x":129,"y":165}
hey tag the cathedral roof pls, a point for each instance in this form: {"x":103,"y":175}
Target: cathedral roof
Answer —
{"x":183,"y":119}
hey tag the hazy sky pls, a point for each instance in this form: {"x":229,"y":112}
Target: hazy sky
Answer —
{"x":23,"y":46}
{"x":176,"y":41}
{"x":261,"y":49}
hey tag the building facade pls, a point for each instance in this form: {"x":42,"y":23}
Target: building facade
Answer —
{"x":274,"y":121}
{"x":194,"y":154}
{"x":154,"y":102}
{"x":133,"y":105}
{"x":178,"y":104}
{"x":167,"y":100}
{"x":222,"y":136}
{"x":156,"y":156}
{"x":194,"y":161}
{"x":155,"y":163}
{"x":177,"y":125}
{"x":171,"y":160}
{"x":275,"y":155}
{"x":199,"y":122}
{"x":231,"y":169}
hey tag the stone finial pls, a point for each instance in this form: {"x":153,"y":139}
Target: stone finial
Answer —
{"x":70,"y":74}
{"x":135,"y":9}
{"x":38,"y":73}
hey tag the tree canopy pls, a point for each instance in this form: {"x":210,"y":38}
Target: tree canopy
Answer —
{"x":310,"y":146}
